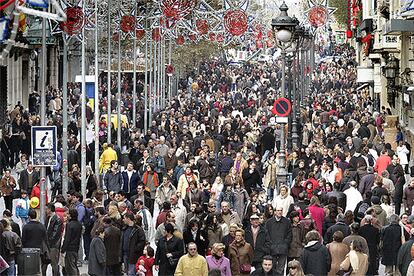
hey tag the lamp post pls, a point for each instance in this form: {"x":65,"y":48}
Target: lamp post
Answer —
{"x":283,"y":28}
{"x":390,"y":72}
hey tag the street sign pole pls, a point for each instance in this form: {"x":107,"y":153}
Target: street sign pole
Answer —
{"x":43,"y":120}
{"x":282,"y":158}
{"x":96,"y":101}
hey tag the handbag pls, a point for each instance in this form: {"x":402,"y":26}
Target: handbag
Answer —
{"x":244,"y":268}
{"x":171,"y":260}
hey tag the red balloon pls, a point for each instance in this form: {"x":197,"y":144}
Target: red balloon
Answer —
{"x":235,"y":22}
{"x":220,"y":38}
{"x":212,"y":36}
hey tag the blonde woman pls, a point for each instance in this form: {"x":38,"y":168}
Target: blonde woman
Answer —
{"x":295,"y":269}
{"x":283,"y":199}
{"x":217,"y":260}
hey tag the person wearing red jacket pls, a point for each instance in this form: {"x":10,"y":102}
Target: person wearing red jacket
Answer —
{"x":145,"y":262}
{"x":36,"y":193}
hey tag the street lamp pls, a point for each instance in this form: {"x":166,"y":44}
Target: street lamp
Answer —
{"x":391,"y":73}
{"x":283,"y":28}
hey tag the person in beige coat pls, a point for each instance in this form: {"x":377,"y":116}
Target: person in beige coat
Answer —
{"x":355,"y":260}
{"x":240,"y":255}
{"x":338,"y":251}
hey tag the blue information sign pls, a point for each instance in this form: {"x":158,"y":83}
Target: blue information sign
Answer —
{"x":44,"y":146}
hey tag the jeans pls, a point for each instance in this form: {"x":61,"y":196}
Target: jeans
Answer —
{"x":87,"y":239}
{"x":270,"y":193}
{"x":11,"y":271}
{"x":129,"y":267}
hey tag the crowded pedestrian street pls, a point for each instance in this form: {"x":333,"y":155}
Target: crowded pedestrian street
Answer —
{"x":206,"y":138}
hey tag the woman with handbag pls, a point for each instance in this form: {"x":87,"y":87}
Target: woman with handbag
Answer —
{"x":169,"y":250}
{"x":356,"y":262}
{"x":240,"y":255}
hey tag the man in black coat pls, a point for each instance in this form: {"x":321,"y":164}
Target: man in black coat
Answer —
{"x":33,"y":233}
{"x":54,"y":233}
{"x":71,"y":242}
{"x":255,"y":235}
{"x":391,"y":243}
{"x":372,"y":235}
{"x":340,"y":225}
{"x":278,"y":238}
{"x":133,"y":243}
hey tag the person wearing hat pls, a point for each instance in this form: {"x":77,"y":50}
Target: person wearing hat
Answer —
{"x":255,"y":235}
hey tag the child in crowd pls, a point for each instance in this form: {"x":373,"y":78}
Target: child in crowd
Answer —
{"x":22,"y":208}
{"x":145,"y":262}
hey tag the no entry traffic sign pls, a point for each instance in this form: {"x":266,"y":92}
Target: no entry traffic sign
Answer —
{"x":282,"y":107}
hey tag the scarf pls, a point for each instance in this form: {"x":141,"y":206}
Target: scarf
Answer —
{"x":155,"y":177}
{"x":354,"y":260}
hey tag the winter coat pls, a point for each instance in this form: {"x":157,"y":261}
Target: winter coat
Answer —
{"x":112,"y":245}
{"x":201,"y":240}
{"x":339,"y":226}
{"x":240,"y":254}
{"x":278,"y":236}
{"x":284,"y":202}
{"x":380,"y":214}
{"x":362,"y":264}
{"x":7,"y":185}
{"x":391,"y":243}
{"x":372,"y":235}
{"x":318,"y":215}
{"x":97,"y":257}
{"x":298,"y":238}
{"x":408,"y":199}
{"x":136,"y":244}
{"x":251,"y":180}
{"x":130,"y":185}
{"x":175,"y":246}
{"x":338,"y":252}
{"x":240,"y":199}
{"x":22,"y":208}
{"x":54,"y":231}
{"x":270,"y":178}
{"x":24,"y":180}
{"x":214,"y":235}
{"x":73,"y":233}
{"x":315,"y":259}
{"x":404,"y":256}
{"x":259,"y":247}
{"x":113,"y":182}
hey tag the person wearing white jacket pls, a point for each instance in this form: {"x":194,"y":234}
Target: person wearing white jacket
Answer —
{"x":353,"y":196}
{"x":402,"y":153}
{"x":283,"y":199}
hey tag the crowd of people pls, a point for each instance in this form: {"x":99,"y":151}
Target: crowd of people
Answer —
{"x":199,"y":193}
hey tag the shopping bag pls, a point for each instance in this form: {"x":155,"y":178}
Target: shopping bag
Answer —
{"x":3,"y":265}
